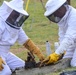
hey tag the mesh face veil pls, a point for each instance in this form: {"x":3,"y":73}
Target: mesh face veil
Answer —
{"x":53,"y":18}
{"x":16,"y":19}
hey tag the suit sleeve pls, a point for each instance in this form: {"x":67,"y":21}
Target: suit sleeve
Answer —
{"x":22,"y":37}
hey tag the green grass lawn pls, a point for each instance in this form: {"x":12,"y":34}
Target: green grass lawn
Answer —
{"x":39,"y":29}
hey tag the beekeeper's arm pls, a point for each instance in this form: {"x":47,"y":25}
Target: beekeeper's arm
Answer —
{"x":68,"y":40}
{"x":52,"y":58}
{"x":29,"y":44}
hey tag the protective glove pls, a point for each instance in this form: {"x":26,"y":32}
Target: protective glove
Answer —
{"x":1,"y":62}
{"x":34,"y":49}
{"x":51,"y":59}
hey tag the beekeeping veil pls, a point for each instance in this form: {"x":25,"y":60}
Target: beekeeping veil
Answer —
{"x":51,"y":6}
{"x":13,"y":13}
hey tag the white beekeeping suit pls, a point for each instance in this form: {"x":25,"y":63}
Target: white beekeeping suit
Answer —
{"x":12,"y":17}
{"x":67,"y":34}
{"x":9,"y":34}
{"x":58,"y":11}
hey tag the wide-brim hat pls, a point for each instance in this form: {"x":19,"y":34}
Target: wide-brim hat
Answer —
{"x":16,"y":5}
{"x":52,"y":5}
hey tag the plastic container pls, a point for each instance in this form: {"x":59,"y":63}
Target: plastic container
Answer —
{"x":48,"y":48}
{"x":56,"y":45}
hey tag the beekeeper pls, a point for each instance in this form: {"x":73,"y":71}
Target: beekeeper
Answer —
{"x":12,"y":17}
{"x":58,"y":11}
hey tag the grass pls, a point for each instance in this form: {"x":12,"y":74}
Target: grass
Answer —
{"x":39,"y":29}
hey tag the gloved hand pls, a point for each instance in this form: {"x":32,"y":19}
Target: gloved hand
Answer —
{"x":51,"y":59}
{"x":34,"y":49}
{"x":1,"y":62}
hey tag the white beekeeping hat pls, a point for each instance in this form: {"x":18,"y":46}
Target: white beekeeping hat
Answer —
{"x":52,"y":6}
{"x":16,"y":5}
